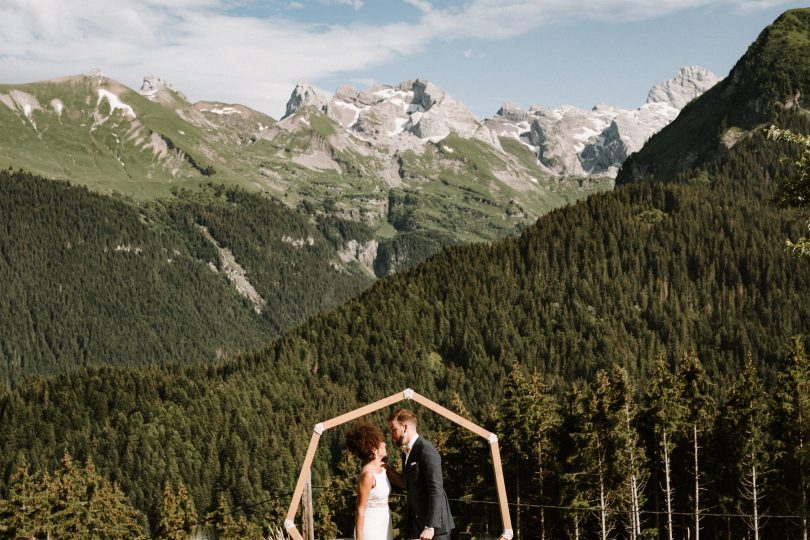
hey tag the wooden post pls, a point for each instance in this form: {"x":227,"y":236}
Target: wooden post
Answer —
{"x":500,"y":484}
{"x":308,"y":518}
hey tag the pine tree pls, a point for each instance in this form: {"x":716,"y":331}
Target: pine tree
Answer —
{"x":795,"y":189}
{"x":630,"y":460}
{"x":668,"y":413}
{"x":178,"y":516}
{"x":747,"y":418}
{"x":697,"y":391}
{"x":793,"y":429}
{"x":529,"y":417}
{"x":466,"y":459}
{"x":75,"y":502}
{"x":588,"y":475}
{"x":25,"y":513}
{"x":334,"y":508}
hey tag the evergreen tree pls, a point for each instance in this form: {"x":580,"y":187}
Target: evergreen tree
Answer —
{"x":466,"y":459}
{"x":630,"y":461}
{"x":25,"y":513}
{"x":697,"y":391}
{"x":226,"y":527}
{"x":795,"y":189}
{"x":668,"y":414}
{"x":73,"y":503}
{"x":178,"y":516}
{"x":746,"y":420}
{"x":335,"y":507}
{"x":792,"y":428}
{"x":529,"y":417}
{"x":590,"y":427}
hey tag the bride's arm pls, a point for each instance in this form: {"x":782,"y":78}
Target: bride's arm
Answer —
{"x":394,"y":477}
{"x":364,"y":486}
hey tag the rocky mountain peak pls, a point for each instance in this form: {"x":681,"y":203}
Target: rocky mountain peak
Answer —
{"x":152,"y":84}
{"x":426,"y":94}
{"x":595,"y":142}
{"x":159,"y":90}
{"x":305,"y":94}
{"x":691,"y":82}
{"x":513,"y":113}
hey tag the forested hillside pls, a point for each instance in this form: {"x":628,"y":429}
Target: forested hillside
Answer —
{"x":647,"y":271}
{"x":89,"y":279}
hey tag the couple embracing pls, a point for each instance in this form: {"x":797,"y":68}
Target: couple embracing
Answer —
{"x":427,"y":512}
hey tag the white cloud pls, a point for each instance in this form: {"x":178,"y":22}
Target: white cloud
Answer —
{"x":295,"y":5}
{"x":209,"y":52}
{"x":356,"y":4}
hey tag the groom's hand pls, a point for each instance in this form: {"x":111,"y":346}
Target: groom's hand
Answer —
{"x":427,"y":534}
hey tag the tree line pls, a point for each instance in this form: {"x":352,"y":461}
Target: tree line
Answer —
{"x":606,"y":458}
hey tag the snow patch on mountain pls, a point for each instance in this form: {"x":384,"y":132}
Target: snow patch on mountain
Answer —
{"x":57,"y":106}
{"x":23,"y":102}
{"x":115,"y":103}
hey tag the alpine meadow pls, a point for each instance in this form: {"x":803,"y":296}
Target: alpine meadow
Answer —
{"x":621,"y":295}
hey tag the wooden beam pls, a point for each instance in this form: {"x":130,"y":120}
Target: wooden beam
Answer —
{"x":463,"y":422}
{"x":501,"y":486}
{"x":362,"y":411}
{"x":302,"y":477}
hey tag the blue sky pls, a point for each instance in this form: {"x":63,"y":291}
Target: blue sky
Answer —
{"x":483,"y":52}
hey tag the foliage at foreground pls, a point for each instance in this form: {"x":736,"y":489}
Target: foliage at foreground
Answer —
{"x":795,"y":190}
{"x":88,"y":279}
{"x":605,"y":458}
{"x":76,"y":502}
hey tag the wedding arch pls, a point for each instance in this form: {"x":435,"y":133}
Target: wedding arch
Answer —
{"x":407,"y":394}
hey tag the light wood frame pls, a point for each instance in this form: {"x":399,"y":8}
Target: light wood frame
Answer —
{"x":407,"y":394}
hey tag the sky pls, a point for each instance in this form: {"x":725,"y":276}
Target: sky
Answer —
{"x":482,"y":52}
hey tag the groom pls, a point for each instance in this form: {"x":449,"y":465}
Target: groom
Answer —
{"x":428,"y":512}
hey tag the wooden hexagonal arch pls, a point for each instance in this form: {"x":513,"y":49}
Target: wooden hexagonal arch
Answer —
{"x":407,"y":394}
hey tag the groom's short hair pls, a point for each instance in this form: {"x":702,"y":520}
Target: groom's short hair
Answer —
{"x":403,"y":416}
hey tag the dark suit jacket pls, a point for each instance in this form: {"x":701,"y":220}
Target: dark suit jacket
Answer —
{"x":427,"y":501}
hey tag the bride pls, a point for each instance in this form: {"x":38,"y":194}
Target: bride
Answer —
{"x":373,"y":519}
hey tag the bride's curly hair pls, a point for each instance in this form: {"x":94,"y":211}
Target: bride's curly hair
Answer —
{"x":363,"y":439}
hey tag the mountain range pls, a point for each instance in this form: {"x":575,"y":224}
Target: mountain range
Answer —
{"x":409,"y":162}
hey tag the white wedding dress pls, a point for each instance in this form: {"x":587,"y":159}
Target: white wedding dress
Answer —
{"x":377,"y":525}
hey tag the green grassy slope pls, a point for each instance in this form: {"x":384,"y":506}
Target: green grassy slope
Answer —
{"x":458,"y":190}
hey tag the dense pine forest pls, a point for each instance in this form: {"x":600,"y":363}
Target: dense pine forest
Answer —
{"x":89,"y":279}
{"x":648,"y":272}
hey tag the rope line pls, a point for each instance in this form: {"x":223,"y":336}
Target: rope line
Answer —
{"x":493,"y":503}
{"x":651,"y":512}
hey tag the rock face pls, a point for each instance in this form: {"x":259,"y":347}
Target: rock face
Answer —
{"x":566,"y":140}
{"x":304,"y":94}
{"x":406,"y":116}
{"x":691,"y":82}
{"x":157,"y":89}
{"x":573,"y":141}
